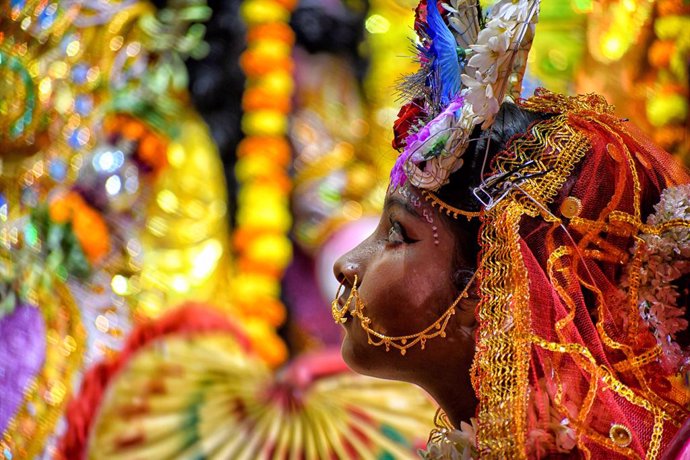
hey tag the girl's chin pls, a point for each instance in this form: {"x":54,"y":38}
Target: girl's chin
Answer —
{"x":364,"y":358}
{"x":355,"y":356}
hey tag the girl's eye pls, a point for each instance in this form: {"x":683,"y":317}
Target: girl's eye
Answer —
{"x":395,"y":234}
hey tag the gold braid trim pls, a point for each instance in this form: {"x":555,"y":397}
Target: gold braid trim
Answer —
{"x":502,"y":359}
{"x":556,"y":148}
{"x":547,"y":102}
{"x":645,"y":358}
{"x":501,"y":364}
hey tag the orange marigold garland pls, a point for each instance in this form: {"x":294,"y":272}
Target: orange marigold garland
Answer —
{"x":150,"y":147}
{"x":667,"y":102}
{"x":87,"y":224}
{"x":263,"y":217}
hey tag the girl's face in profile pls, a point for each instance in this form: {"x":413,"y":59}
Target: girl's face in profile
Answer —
{"x":404,"y":276}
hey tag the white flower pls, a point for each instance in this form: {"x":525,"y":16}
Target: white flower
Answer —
{"x":455,"y":444}
{"x":490,"y":55}
{"x":665,"y":258}
{"x":480,"y":95}
{"x":472,"y":84}
{"x":497,"y":26}
{"x":516,"y":10}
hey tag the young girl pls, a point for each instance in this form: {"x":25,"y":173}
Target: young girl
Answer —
{"x":530,"y":268}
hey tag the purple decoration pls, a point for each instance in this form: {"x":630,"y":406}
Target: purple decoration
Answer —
{"x":22,"y":353}
{"x":437,"y":130}
{"x":310,"y":312}
{"x":398,"y":176}
{"x":417,"y":145}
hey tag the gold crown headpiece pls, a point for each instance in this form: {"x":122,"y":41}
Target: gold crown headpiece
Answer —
{"x":469,"y":64}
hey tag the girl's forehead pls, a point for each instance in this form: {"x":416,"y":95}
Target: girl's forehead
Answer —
{"x":408,"y":193}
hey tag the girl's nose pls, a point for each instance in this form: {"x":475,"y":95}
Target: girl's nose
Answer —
{"x":349,"y":265}
{"x":345,"y":269}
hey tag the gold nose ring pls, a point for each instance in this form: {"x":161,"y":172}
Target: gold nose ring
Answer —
{"x":337,"y":311}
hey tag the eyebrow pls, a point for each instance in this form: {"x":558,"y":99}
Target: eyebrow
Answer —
{"x":406,"y":205}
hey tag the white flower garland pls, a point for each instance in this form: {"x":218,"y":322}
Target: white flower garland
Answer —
{"x":665,"y":258}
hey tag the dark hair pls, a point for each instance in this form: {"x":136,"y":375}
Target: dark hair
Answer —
{"x":510,"y":121}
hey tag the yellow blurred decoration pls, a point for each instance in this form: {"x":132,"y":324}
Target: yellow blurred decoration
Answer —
{"x":264,"y":11}
{"x":273,"y":249}
{"x":264,"y":123}
{"x":255,"y":166}
{"x":272,"y":217}
{"x":270,"y":48}
{"x":260,"y":240}
{"x":613,"y":47}
{"x":119,"y":285}
{"x":614,"y":27}
{"x":377,"y":24}
{"x":250,"y":286}
{"x":664,"y":109}
{"x":167,"y":201}
{"x":279,"y":83}
{"x":186,"y":236}
{"x":267,"y":344}
{"x":581,"y":6}
{"x":392,"y":49}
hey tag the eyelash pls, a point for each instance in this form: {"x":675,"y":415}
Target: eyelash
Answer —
{"x":397,"y":228}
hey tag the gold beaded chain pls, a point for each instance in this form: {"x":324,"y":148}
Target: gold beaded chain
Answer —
{"x":402,"y":343}
{"x":448,"y":209}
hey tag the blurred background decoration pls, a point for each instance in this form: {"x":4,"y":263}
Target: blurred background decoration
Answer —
{"x":225,"y":153}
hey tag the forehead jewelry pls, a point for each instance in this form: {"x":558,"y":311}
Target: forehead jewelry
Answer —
{"x":445,"y":207}
{"x":426,"y":212}
{"x":338,"y":312}
{"x":402,"y":343}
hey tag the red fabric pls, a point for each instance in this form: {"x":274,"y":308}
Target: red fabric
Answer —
{"x":656,"y":170}
{"x":588,"y":286}
{"x":409,"y":115}
{"x":680,"y":446}
{"x":82,"y":410}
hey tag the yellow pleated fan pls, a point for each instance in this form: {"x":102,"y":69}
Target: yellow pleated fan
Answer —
{"x":204,"y":397}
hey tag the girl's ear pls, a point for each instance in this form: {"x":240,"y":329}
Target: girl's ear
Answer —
{"x":461,"y":277}
{"x":465,"y":311}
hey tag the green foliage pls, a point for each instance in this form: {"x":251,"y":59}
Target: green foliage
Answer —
{"x":49,"y":251}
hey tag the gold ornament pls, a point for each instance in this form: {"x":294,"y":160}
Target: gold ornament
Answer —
{"x":571,"y":207}
{"x":402,"y":343}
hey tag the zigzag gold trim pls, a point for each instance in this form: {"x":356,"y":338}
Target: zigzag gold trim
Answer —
{"x":502,"y":359}
{"x":501,"y":364}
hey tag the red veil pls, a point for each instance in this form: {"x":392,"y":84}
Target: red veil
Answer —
{"x":565,"y":363}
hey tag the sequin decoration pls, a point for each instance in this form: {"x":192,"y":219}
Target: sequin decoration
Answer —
{"x":620,"y":435}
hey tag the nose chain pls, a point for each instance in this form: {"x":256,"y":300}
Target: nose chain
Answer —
{"x":338,"y":312}
{"x":402,"y":343}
